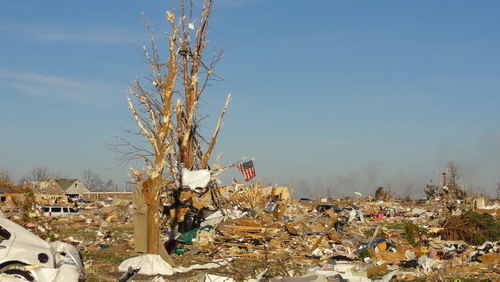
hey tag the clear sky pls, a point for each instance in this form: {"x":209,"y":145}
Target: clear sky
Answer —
{"x":327,"y":95}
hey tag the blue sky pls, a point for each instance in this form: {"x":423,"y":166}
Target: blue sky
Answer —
{"x":327,"y":95}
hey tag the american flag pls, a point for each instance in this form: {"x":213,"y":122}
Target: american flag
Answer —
{"x":247,"y":169}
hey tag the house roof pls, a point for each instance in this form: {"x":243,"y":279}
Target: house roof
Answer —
{"x":65,"y":183}
{"x":57,"y":186}
{"x":47,"y":186}
{"x":77,"y":190}
{"x":7,"y":187}
{"x":72,"y":186}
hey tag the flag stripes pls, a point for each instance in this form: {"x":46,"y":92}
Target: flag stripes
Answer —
{"x":247,"y":169}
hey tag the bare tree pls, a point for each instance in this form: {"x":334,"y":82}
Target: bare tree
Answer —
{"x":432,"y":191}
{"x":408,"y":192}
{"x":93,"y":182}
{"x":451,"y":179}
{"x":4,"y":175}
{"x":90,"y":179}
{"x":167,"y":114}
{"x":36,"y":174}
{"x":109,"y":185}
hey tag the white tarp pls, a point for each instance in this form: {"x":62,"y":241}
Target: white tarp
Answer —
{"x":149,"y":265}
{"x":153,"y":264}
{"x":196,"y":178}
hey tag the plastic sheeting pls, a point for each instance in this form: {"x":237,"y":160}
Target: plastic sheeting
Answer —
{"x":196,"y":178}
{"x":150,"y":264}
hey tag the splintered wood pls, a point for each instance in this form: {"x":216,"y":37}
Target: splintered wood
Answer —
{"x":276,"y":227}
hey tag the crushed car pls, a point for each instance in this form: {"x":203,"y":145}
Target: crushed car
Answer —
{"x":27,"y":257}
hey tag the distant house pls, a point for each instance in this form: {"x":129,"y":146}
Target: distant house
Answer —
{"x":44,"y":187}
{"x":8,"y":188}
{"x":72,"y":186}
{"x":57,"y":186}
{"x":55,"y":191}
{"x":46,"y":191}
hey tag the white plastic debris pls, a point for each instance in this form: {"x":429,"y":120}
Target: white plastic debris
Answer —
{"x":215,"y":278}
{"x":195,"y":178}
{"x":154,"y":265}
{"x":213,"y":219}
{"x":149,"y":264}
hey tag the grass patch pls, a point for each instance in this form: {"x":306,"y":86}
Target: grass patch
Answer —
{"x":396,"y":226}
{"x":104,"y":256}
{"x":412,"y":233}
{"x":369,"y":233}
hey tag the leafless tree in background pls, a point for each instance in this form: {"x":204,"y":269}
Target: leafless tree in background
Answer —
{"x":93,"y":182}
{"x":408,"y":192}
{"x":450,"y":188}
{"x":39,"y":173}
{"x":165,"y":108}
{"x":451,"y":182}
{"x":36,"y":174}
{"x":432,"y":191}
{"x":4,"y":175}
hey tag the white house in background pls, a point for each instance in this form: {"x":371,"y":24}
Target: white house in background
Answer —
{"x":55,"y":191}
{"x":72,"y":187}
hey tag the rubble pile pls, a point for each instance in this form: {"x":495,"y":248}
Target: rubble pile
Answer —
{"x":359,"y":238}
{"x":256,"y":233}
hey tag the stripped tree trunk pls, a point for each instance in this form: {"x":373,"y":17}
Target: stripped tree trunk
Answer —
{"x":167,"y":114}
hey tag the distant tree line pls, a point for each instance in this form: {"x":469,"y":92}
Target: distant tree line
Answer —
{"x":450,"y":187}
{"x":90,"y":179}
{"x":93,"y":182}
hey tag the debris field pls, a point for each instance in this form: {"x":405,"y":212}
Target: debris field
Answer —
{"x":259,"y":233}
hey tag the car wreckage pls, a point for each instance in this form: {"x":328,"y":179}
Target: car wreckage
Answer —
{"x":26,"y":256}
